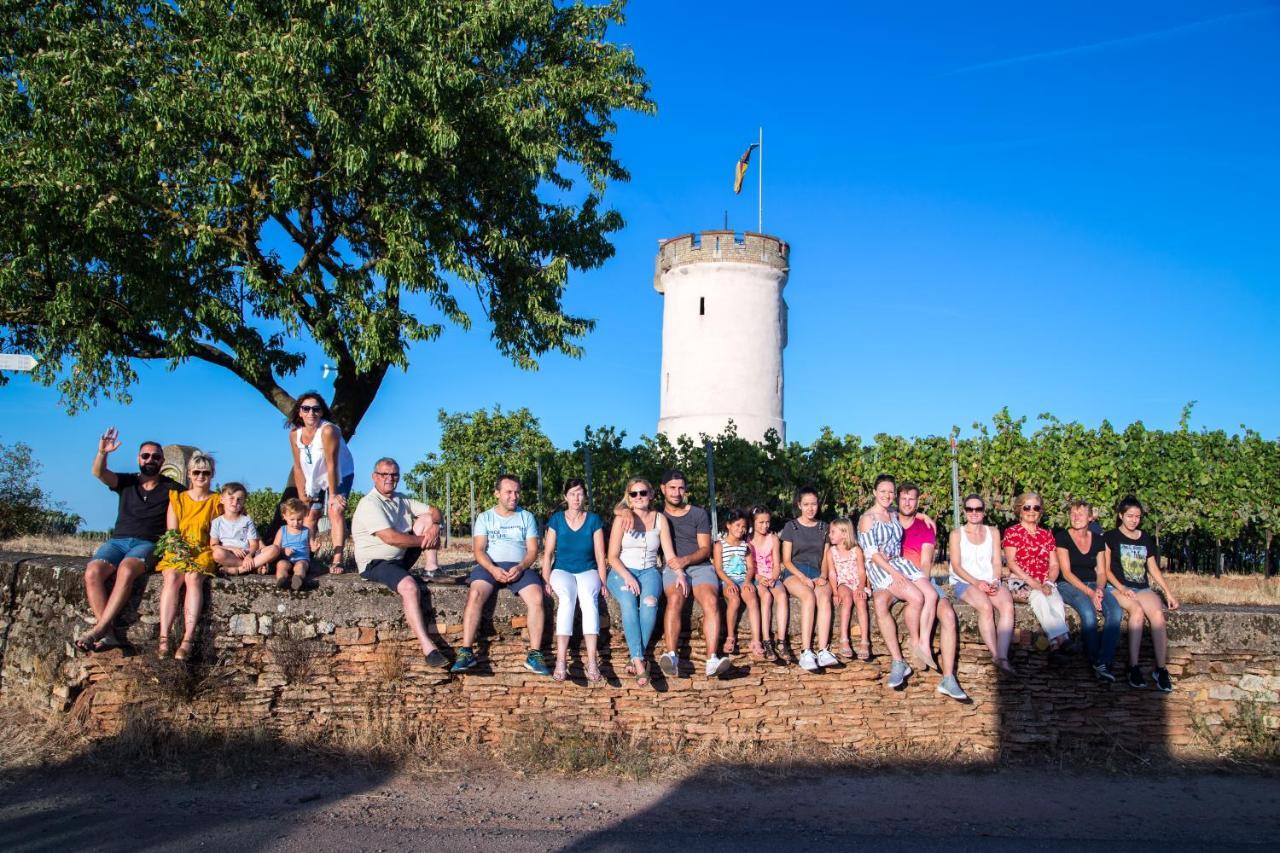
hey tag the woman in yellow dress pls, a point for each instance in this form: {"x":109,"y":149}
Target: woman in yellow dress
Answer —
{"x":191,"y":513}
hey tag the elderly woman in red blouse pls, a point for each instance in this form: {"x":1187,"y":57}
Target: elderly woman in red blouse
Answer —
{"x":1031,"y":552}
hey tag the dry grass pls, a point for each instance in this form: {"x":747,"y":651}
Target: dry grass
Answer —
{"x":1228,"y":589}
{"x":69,"y":545}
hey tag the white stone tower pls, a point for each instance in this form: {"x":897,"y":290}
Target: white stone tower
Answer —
{"x":724,"y":326}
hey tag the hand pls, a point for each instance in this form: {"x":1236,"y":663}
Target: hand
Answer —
{"x":677,"y":564}
{"x":632,"y":585}
{"x":1097,"y":600}
{"x":731,"y":591}
{"x":548,"y":589}
{"x":431,"y":538}
{"x":628,"y":519}
{"x":1046,"y":588}
{"x":239,"y":552}
{"x":109,"y":442}
{"x":1171,"y":600}
{"x":682,"y":581}
{"x":288,"y":552}
{"x":989,"y":588}
{"x":1127,"y":592}
{"x":817,"y":582}
{"x":340,"y":501}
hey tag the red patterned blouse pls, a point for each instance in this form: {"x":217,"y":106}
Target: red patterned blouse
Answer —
{"x":1031,"y":549}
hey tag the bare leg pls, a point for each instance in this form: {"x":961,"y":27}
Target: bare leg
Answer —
{"x":949,"y":639}
{"x":823,"y":596}
{"x":732,"y":606}
{"x":411,"y":600}
{"x":263,"y":559}
{"x":864,"y":622}
{"x":476,"y":597}
{"x":983,"y":606}
{"x":888,"y":625}
{"x":671,"y":619}
{"x":766,"y":614}
{"x":1136,"y":620}
{"x":752,"y":601}
{"x":709,"y":600}
{"x":783,"y":608}
{"x":338,"y":535}
{"x":808,"y":607}
{"x":913,"y":600}
{"x":170,"y":588}
{"x":131,"y":568}
{"x":193,"y":603}
{"x":533,"y":597}
{"x":1153,"y":607}
{"x":1004,"y":628}
{"x":96,"y":576}
{"x":844,"y":597}
{"x":928,"y":616}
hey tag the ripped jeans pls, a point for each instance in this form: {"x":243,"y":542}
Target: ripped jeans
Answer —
{"x":639,"y":613}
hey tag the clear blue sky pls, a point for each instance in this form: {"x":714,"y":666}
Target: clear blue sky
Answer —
{"x":1069,"y":209}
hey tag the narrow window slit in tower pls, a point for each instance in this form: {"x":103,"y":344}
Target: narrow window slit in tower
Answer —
{"x":702,"y":306}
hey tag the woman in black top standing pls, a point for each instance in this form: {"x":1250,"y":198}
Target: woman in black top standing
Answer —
{"x":1083,"y":586}
{"x":1133,"y":562}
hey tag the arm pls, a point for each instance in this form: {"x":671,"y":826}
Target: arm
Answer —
{"x":864,"y":524}
{"x":787,"y":548}
{"x":107,"y":444}
{"x":1051,"y":576}
{"x":479,"y":544}
{"x":1011,"y":557}
{"x":926,"y":559}
{"x":703,"y":554}
{"x":751,"y":566}
{"x":548,"y":557}
{"x":1153,"y":570}
{"x":597,"y":545}
{"x":957,"y":568}
{"x":1111,"y":576}
{"x":171,"y":517}
{"x":669,"y":550}
{"x":299,"y":481}
{"x":331,"y":441}
{"x":825,"y":568}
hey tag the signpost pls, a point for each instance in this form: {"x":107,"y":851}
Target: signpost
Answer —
{"x":16,"y":362}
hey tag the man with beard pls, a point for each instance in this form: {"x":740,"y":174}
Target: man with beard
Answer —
{"x":140,"y":521}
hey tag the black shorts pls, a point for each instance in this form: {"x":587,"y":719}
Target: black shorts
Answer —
{"x":389,"y":573}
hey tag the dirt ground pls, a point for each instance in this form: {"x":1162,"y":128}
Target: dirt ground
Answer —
{"x":1013,"y":809}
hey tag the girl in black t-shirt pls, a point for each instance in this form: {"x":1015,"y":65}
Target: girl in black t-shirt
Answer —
{"x":1133,"y":563}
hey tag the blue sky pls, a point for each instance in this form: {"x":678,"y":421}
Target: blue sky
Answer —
{"x":1069,"y":209}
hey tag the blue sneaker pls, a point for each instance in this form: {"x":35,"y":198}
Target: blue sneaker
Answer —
{"x":535,"y":663}
{"x":465,"y":661}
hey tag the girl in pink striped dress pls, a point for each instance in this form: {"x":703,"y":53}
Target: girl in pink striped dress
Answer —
{"x":766,"y":550}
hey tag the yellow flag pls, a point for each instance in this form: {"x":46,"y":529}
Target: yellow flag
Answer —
{"x":741,"y":171}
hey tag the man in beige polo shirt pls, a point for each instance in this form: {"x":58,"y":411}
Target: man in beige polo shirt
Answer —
{"x":385,"y":529}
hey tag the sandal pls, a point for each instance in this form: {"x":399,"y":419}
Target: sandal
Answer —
{"x":335,"y":564}
{"x":593,"y":672}
{"x":185,"y":648}
{"x":730,"y":645}
{"x":640,"y":669}
{"x":561,"y":671}
{"x":864,"y":651}
{"x":846,"y":650}
{"x":757,"y":650}
{"x":769,"y":653}
{"x":162,"y":648}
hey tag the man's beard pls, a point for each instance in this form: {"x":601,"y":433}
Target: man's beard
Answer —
{"x":905,"y":514}
{"x":149,"y":468}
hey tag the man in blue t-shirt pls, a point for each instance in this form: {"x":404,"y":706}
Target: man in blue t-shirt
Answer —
{"x":505,"y":544}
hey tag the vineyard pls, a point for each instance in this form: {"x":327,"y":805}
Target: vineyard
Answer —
{"x":1213,"y":498}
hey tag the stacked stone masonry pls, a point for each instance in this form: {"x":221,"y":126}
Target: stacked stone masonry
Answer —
{"x":341,"y":657}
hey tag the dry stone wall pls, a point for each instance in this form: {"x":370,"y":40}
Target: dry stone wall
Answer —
{"x":340,"y":657}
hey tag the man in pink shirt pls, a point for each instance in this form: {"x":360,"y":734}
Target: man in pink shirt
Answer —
{"x":919,"y":541}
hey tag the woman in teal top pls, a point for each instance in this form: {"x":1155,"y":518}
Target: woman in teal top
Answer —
{"x":573,"y":570}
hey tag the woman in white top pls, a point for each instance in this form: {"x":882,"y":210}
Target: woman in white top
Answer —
{"x":635,"y":581}
{"x":322,"y":468}
{"x":975,"y":577}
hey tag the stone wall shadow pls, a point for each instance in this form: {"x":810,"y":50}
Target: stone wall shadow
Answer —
{"x":98,"y":799}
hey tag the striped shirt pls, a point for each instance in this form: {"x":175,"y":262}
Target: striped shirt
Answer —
{"x":733,"y":559}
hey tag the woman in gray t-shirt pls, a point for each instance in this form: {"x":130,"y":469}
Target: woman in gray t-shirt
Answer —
{"x":804,"y":543}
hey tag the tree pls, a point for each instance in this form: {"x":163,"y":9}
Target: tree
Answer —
{"x":481,"y":445}
{"x":402,"y":153}
{"x":1261,"y":463}
{"x":24,"y":507}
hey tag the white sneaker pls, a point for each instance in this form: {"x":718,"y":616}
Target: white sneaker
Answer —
{"x":717,"y":666}
{"x":808,"y":661}
{"x":825,"y":658}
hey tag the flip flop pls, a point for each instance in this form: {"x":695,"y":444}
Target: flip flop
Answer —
{"x":641,"y":673}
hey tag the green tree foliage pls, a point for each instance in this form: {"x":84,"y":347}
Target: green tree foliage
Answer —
{"x":407,"y":156}
{"x":24,"y":507}
{"x":1204,"y":488}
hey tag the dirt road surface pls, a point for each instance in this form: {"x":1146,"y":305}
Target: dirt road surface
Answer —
{"x":1013,"y":810}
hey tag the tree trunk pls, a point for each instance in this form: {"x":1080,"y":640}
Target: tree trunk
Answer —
{"x":1217,"y":563}
{"x":1266,"y":557}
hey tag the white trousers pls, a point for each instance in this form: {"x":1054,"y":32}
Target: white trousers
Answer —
{"x":570,"y":589}
{"x":1051,"y":612}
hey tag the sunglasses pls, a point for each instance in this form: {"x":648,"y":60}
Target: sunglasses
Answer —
{"x":310,"y":408}
{"x":202,"y":473}
{"x":641,"y":493}
{"x":1030,"y":508}
{"x":388,"y":476}
{"x":974,"y":508}
{"x":146,"y":456}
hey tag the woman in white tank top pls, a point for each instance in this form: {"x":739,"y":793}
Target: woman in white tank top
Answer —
{"x":322,"y":469}
{"x":635,"y":582}
{"x":975,"y":577}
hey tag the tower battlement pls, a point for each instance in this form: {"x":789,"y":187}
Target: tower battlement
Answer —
{"x":720,"y":246}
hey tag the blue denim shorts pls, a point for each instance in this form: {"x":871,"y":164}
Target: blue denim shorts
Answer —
{"x":809,"y":571}
{"x":321,"y":500}
{"x":115,"y":550}
{"x":527,"y":578}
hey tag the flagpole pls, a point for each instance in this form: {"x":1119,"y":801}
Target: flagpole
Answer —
{"x":760,"y":188}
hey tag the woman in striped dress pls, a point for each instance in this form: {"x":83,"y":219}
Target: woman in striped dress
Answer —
{"x":893,"y":576}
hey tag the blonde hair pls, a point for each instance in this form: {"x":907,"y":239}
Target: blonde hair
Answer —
{"x":624,"y":503}
{"x":1022,"y":498}
{"x":293,"y":506}
{"x":845,"y":525}
{"x":199,"y":458}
